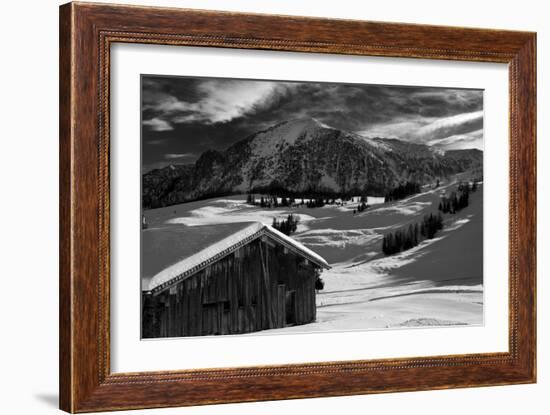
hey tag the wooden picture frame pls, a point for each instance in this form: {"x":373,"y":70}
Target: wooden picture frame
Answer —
{"x":86,"y":33}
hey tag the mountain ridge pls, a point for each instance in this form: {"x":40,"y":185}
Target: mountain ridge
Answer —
{"x":304,"y":156}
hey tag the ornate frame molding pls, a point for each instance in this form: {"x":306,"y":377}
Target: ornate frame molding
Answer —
{"x":86,"y":33}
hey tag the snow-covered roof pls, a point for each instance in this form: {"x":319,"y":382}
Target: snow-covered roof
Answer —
{"x":175,"y":252}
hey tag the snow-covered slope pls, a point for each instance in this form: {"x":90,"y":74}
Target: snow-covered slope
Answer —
{"x":439,"y":282}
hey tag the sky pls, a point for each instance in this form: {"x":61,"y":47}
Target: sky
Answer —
{"x":183,"y":117}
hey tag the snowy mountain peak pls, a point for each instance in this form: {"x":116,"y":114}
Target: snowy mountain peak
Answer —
{"x":286,"y":134}
{"x":292,"y":129}
{"x":305,"y":123}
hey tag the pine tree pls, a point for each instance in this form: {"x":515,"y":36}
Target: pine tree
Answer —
{"x":439,"y":222}
{"x":286,"y":226}
{"x":319,"y":283}
{"x":391,"y":245}
{"x":410,"y":237}
{"x":144,"y":224}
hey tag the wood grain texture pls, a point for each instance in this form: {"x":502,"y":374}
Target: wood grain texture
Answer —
{"x":235,"y":294}
{"x":86,"y":33}
{"x":65,"y":246}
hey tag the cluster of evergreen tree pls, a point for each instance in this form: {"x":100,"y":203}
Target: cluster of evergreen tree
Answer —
{"x":465,"y":186}
{"x":430,"y":225}
{"x":308,"y":199}
{"x":251,"y":199}
{"x":400,"y":240}
{"x":315,"y":203}
{"x":360,"y":207}
{"x":329,"y":196}
{"x":286,"y":226}
{"x":402,"y":191}
{"x":456,"y":201}
{"x":270,"y":201}
{"x":410,"y":236}
{"x":267,"y":202}
{"x":287,"y":201}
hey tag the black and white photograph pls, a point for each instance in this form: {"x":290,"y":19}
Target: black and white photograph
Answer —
{"x":275,"y":207}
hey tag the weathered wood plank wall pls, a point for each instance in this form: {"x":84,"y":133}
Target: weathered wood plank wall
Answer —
{"x":259,"y":287}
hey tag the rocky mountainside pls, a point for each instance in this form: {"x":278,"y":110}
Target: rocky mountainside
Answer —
{"x":304,"y":156}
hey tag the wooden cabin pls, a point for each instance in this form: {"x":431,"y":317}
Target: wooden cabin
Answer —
{"x":225,"y":279}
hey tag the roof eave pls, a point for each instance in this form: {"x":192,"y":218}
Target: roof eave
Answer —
{"x":267,"y":231}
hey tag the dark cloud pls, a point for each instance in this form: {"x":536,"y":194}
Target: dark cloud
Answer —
{"x":190,"y":115}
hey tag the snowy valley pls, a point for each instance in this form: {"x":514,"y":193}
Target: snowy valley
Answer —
{"x":437,"y":283}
